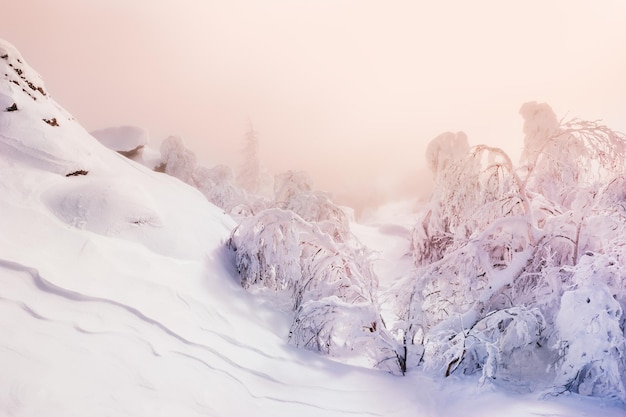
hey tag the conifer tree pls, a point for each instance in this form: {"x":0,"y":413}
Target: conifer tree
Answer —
{"x":249,"y":176}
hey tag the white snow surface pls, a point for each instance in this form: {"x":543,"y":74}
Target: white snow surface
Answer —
{"x":118,"y":298}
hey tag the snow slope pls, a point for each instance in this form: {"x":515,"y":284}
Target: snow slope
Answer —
{"x":118,"y":298}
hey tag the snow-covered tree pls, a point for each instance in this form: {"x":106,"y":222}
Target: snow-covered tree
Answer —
{"x":331,"y":285}
{"x":562,"y":158}
{"x":249,"y":176}
{"x":517,"y":269}
{"x":499,"y":277}
{"x":218,"y":186}
{"x":498,"y":345}
{"x":294,"y":191}
{"x":216,"y":183}
{"x":473,"y":187}
{"x":446,"y":151}
{"x":589,"y":331}
{"x":177,"y":160}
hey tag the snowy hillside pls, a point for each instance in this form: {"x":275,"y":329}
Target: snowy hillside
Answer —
{"x":119,"y":297}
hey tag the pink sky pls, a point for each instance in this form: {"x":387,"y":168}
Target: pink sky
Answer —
{"x":351,"y":91}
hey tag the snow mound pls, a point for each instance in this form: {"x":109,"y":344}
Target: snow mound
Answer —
{"x":104,"y":206}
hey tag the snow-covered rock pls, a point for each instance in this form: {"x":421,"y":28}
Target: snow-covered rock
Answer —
{"x":130,"y":141}
{"x":123,"y":139}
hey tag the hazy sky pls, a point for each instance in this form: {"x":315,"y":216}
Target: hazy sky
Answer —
{"x":351,"y":91}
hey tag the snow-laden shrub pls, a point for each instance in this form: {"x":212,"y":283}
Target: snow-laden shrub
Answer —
{"x":560,"y":158}
{"x":331,"y":285}
{"x":330,"y":323}
{"x":294,"y":191}
{"x":447,"y":156}
{"x":501,"y":277}
{"x":217,"y":184}
{"x":281,"y":251}
{"x":349,"y":330}
{"x":468,"y":283}
{"x":589,"y":330}
{"x":498,"y":345}
{"x":446,"y":150}
{"x":267,"y":250}
{"x":177,"y":160}
{"x":471,"y":190}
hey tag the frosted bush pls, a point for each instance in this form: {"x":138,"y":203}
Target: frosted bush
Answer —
{"x":540,"y":124}
{"x":280,"y":250}
{"x":331,"y":285}
{"x":217,"y":184}
{"x":562,"y":157}
{"x":349,"y":330}
{"x":294,"y":191}
{"x":472,"y":189}
{"x":591,"y":342}
{"x":177,"y":160}
{"x":267,"y":250}
{"x":445,"y":150}
{"x":518,"y":267}
{"x":497,"y":345}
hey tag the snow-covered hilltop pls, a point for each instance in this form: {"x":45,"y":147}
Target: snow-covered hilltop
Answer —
{"x":119,"y":295}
